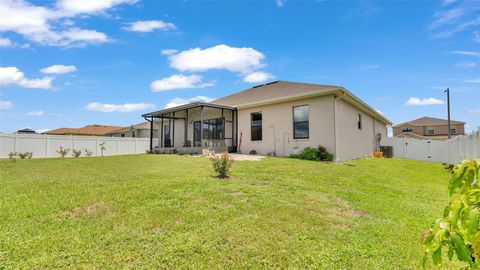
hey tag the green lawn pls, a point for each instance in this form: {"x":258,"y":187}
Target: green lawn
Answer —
{"x":156,"y":211}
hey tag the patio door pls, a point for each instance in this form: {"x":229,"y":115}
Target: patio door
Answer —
{"x":196,"y":134}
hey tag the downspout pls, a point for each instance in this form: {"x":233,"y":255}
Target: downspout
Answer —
{"x":335,"y":146}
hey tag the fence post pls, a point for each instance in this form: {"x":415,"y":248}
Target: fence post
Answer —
{"x":46,"y":145}
{"x":96,"y":146}
{"x":134,"y":145}
{"x":117,"y":144}
{"x":15,"y":145}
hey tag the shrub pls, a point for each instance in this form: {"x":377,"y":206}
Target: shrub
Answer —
{"x":63,"y":151}
{"x":102,"y":147}
{"x":13,"y":156}
{"x":88,"y":153}
{"x":25,"y":155}
{"x":316,"y":154}
{"x":76,"y":153}
{"x":222,"y":165}
{"x":458,"y":229}
{"x":253,"y":152}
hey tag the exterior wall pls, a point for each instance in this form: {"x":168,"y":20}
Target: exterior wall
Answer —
{"x":279,"y":117}
{"x":353,"y":142}
{"x":422,"y":130}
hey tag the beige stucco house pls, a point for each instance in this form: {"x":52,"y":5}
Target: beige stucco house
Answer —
{"x":278,"y":118}
{"x":428,"y":128}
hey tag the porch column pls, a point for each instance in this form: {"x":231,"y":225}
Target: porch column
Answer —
{"x":151,"y":135}
{"x":233,"y":129}
{"x":186,"y":128}
{"x":173,"y":131}
{"x":161,"y":134}
{"x":169,"y":130}
{"x":201,"y":126}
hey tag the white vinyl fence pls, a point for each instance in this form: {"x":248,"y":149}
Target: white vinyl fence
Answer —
{"x":451,"y":151}
{"x":44,"y":146}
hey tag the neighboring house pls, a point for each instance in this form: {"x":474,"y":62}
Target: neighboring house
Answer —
{"x":141,"y":130}
{"x":279,"y":117}
{"x":427,"y":128}
{"x":90,"y":130}
{"x":26,"y":131}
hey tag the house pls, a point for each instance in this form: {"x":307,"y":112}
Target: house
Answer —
{"x":90,"y":130}
{"x":428,"y":128}
{"x":141,"y":130}
{"x":26,"y":131}
{"x":279,"y":118}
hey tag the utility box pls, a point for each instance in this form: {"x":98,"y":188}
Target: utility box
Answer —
{"x":387,"y":151}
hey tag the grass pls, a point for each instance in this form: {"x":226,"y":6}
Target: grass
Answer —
{"x":154,"y":211}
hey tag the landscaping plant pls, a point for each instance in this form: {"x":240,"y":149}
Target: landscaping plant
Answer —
{"x":457,"y":231}
{"x":76,"y":153}
{"x":13,"y":156}
{"x":63,"y":151}
{"x":24,"y":155}
{"x":316,"y":154}
{"x":222,"y":164}
{"x":88,"y":153}
{"x":102,"y":147}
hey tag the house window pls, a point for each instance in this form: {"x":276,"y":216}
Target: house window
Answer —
{"x":430,"y":131}
{"x":133,"y":134}
{"x":359,"y":121}
{"x":256,"y":123}
{"x":453,"y":130}
{"x":407,"y":129}
{"x":300,"y":122}
{"x":122,"y":135}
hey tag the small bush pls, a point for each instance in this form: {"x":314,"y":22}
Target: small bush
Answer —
{"x":76,"y":153}
{"x":88,"y":153}
{"x":13,"y":156}
{"x":24,"y":155}
{"x":63,"y":151}
{"x":222,"y":165}
{"x":253,"y":152}
{"x":316,"y":154}
{"x":102,"y":147}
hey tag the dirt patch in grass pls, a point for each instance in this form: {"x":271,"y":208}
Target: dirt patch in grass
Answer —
{"x":347,"y":209}
{"x":92,"y":210}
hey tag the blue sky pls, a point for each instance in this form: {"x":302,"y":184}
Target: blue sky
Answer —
{"x":71,"y":63}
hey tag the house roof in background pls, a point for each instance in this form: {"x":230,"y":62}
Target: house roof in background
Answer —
{"x":86,"y":130}
{"x":429,"y":121}
{"x":143,"y":125}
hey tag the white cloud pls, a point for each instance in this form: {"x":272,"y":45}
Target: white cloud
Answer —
{"x":468,"y":53}
{"x":5,"y":42}
{"x":372,"y":66}
{"x":58,"y":69}
{"x":448,"y":2}
{"x":12,"y":76}
{"x":35,"y":113}
{"x":280,"y":3}
{"x":125,"y":108}
{"x":476,"y":36}
{"x":473,"y":81}
{"x":180,"y":101}
{"x":451,"y":20}
{"x":149,"y":26}
{"x":257,"y":77}
{"x":476,"y":111}
{"x":89,"y":6}
{"x":46,"y":26}
{"x":42,"y":130}
{"x":238,"y":60}
{"x":466,"y":65}
{"x":415,"y":101}
{"x":168,"y":51}
{"x":5,"y":105}
{"x":179,"y":82}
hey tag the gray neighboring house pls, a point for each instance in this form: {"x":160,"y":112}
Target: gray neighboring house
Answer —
{"x":279,"y":117}
{"x":141,"y":130}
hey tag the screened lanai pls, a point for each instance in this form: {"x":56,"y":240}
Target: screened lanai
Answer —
{"x":189,"y":128}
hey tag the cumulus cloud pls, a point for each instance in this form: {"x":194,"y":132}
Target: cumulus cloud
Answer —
{"x":12,"y":76}
{"x":35,"y":113}
{"x":5,"y":42}
{"x":45,"y":25}
{"x":125,"y":108}
{"x":5,"y":105}
{"x":238,"y":60}
{"x":168,"y":51}
{"x":179,"y":82}
{"x":180,"y":101}
{"x":466,"y":65}
{"x":415,"y":101}
{"x":149,"y":26}
{"x":257,"y":77}
{"x":58,"y":69}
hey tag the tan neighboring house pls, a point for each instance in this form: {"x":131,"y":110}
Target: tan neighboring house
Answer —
{"x":428,"y":128}
{"x":141,"y":130}
{"x":90,"y":130}
{"x":279,"y":118}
